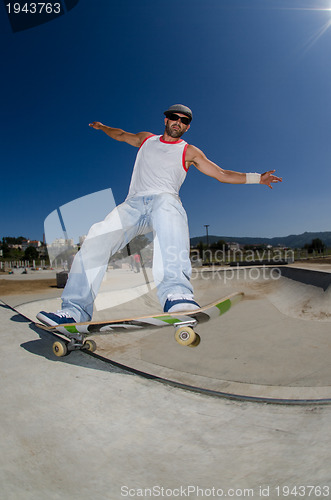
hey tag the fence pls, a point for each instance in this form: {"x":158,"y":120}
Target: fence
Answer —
{"x":15,"y":264}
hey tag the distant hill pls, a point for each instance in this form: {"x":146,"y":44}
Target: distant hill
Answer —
{"x":291,"y":241}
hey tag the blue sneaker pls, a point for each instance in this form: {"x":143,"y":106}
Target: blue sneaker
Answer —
{"x":57,"y":318}
{"x":180,"y":303}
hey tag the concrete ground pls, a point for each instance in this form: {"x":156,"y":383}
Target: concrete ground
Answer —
{"x":79,"y":427}
{"x":273,"y":345}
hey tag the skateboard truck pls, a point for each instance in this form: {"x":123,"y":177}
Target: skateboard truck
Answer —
{"x":61,"y":347}
{"x":185,"y":334}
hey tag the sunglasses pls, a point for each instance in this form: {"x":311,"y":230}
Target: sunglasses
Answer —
{"x":173,"y":117}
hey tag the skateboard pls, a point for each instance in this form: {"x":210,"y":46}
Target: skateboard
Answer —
{"x":184,"y":323}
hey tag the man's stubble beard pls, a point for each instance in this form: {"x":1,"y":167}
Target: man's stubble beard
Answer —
{"x":175,"y":134}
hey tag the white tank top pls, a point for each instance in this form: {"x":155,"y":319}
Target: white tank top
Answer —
{"x":159,"y":167}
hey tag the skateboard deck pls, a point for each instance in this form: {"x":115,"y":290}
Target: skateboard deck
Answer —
{"x":184,"y":323}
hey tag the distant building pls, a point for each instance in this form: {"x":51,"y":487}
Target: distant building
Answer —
{"x":16,"y":246}
{"x":61,"y":242}
{"x":233,"y":246}
{"x":28,"y":243}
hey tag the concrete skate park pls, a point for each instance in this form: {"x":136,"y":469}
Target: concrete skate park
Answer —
{"x":152,"y":412}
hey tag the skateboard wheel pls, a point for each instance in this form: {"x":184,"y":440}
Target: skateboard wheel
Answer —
{"x":196,"y":342}
{"x":90,"y":345}
{"x":185,"y":335}
{"x":60,"y":348}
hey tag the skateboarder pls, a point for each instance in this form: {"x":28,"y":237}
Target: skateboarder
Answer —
{"x":152,"y":204}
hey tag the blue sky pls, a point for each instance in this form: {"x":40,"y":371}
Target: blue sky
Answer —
{"x":256,"y":74}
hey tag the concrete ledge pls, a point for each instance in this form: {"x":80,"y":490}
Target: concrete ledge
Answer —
{"x":307,"y":276}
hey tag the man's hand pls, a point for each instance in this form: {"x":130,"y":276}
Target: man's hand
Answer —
{"x":268,"y":178}
{"x":96,"y":125}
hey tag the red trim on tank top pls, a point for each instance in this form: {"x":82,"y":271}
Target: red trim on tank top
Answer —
{"x":184,"y":154}
{"x":171,"y":142}
{"x":152,"y":135}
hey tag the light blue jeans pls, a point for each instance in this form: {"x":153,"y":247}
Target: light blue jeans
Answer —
{"x":161,"y":213}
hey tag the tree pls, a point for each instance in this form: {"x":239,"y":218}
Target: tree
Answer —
{"x":5,"y":250}
{"x":10,"y":240}
{"x":200,"y":248}
{"x":31,"y":253}
{"x":316,"y":245}
{"x":138,"y":244}
{"x":219,"y":245}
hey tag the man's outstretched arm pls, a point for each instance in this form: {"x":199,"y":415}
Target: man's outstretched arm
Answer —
{"x":120,"y":135}
{"x":196,"y":157}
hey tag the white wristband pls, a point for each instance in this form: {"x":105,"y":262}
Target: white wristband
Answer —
{"x":253,"y":178}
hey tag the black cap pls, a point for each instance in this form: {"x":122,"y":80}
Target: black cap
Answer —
{"x":179,"y":108}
